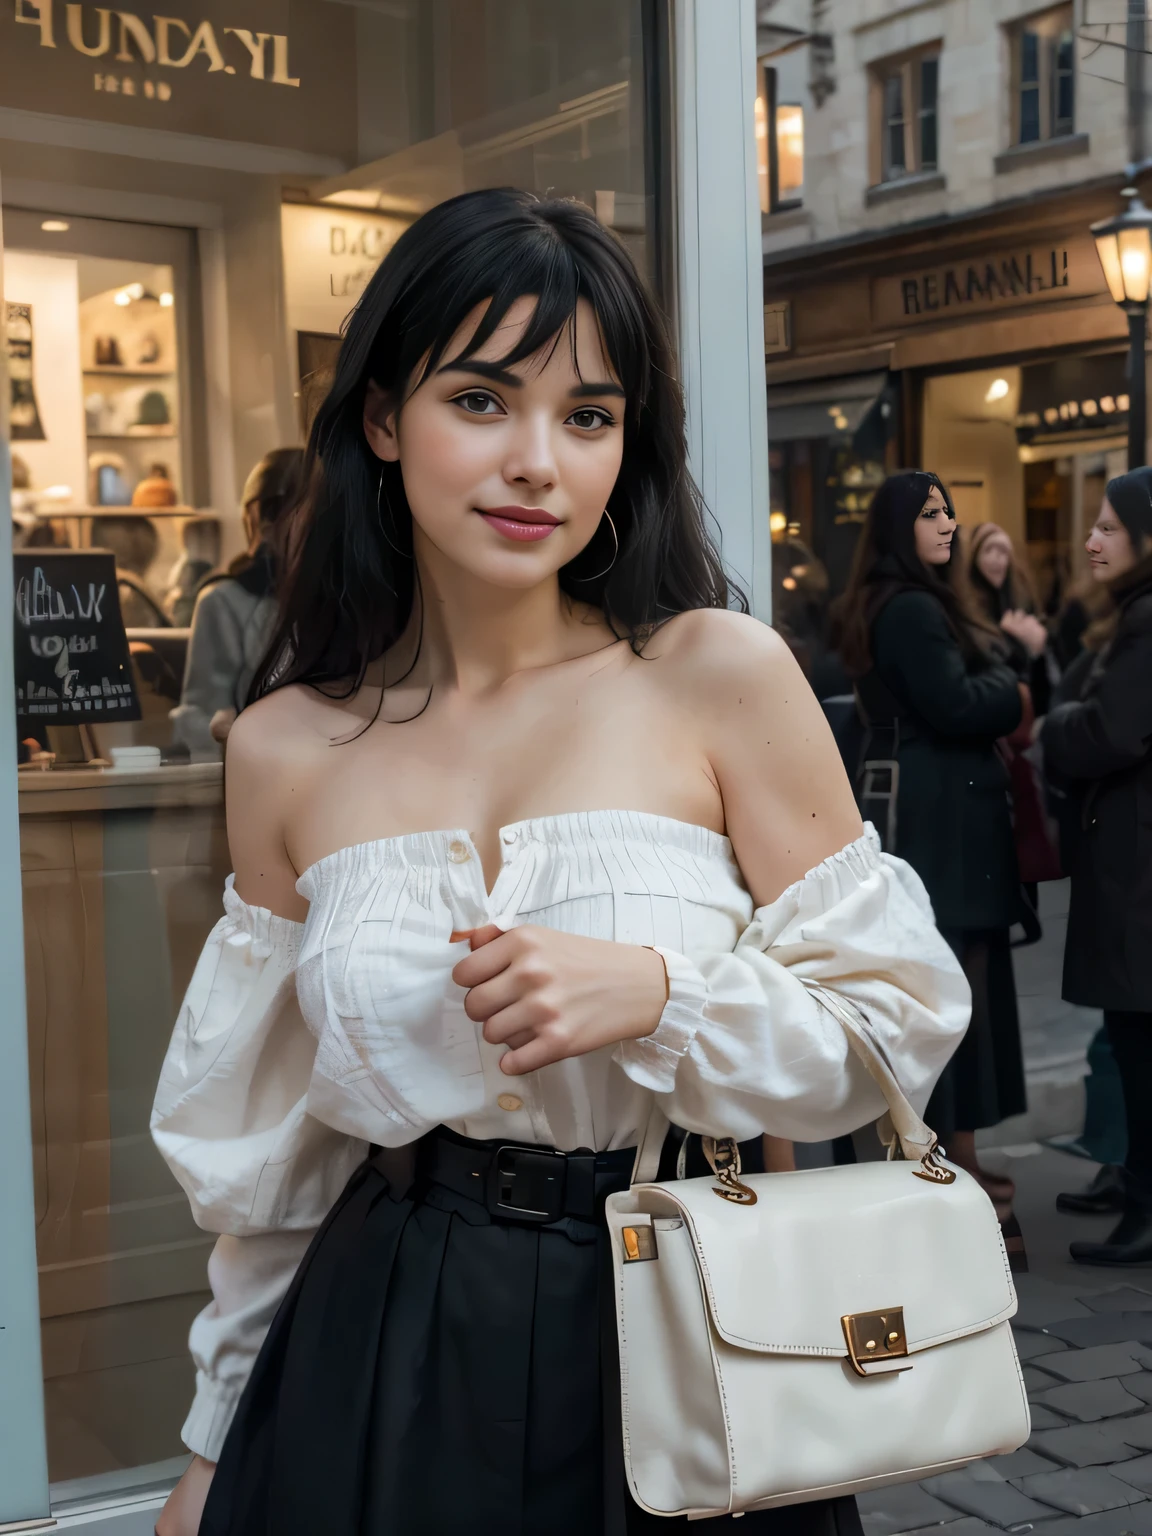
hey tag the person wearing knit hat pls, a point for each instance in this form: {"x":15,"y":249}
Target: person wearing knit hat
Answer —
{"x":1101,"y":745}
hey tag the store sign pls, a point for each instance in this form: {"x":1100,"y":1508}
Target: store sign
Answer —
{"x":994,"y":280}
{"x":329,"y":257}
{"x":241,"y":69}
{"x":71,"y":653}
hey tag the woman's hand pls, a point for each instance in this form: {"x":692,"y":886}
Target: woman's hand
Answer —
{"x":181,"y":1514}
{"x":221,"y":724}
{"x":548,"y":995}
{"x":1026,"y":628}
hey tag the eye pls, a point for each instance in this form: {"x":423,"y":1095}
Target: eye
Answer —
{"x":588,"y":418}
{"x":478,"y":402}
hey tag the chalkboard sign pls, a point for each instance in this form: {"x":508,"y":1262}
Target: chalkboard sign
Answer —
{"x":72,"y":665}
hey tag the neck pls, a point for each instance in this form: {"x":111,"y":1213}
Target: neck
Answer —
{"x":474,"y":636}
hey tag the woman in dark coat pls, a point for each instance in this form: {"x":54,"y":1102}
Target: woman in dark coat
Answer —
{"x":935,"y":697}
{"x":1101,"y":748}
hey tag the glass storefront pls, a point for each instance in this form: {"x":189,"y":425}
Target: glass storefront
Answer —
{"x":178,"y":259}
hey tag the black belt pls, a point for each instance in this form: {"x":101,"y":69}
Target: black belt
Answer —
{"x":524,"y":1183}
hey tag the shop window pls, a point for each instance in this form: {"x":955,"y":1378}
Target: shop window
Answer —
{"x":1043,"y":77}
{"x":779,"y":147}
{"x":905,"y":96}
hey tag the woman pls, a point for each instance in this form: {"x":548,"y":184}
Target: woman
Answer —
{"x":505,"y":617}
{"x":1101,"y":747}
{"x":1003,"y":593}
{"x":936,"y":697}
{"x":235,"y":613}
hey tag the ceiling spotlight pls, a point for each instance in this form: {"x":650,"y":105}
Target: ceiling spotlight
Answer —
{"x":54,"y":227}
{"x":777,"y":522}
{"x":1121,"y":402}
{"x":997,"y":390}
{"x":1089,"y":407}
{"x":123,"y":298}
{"x":840,"y":422}
{"x":166,"y":301}
{"x":1107,"y":404}
{"x":1051,"y":415}
{"x":135,"y":290}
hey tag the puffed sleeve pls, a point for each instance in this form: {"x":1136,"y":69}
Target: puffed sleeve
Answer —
{"x":744,"y":1045}
{"x":230,"y":1118}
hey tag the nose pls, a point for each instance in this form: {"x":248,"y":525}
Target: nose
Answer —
{"x":1092,"y":543}
{"x":531,"y":458}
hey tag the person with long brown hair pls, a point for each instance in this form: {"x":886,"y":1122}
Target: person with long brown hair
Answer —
{"x":935,"y":697}
{"x":1100,"y":743}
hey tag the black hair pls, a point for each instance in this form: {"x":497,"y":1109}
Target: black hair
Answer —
{"x":886,"y":563}
{"x":352,"y":581}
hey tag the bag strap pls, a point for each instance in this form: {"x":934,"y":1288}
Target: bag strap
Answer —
{"x":900,"y":1129}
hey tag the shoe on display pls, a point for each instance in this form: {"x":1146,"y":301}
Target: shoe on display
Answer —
{"x":1102,"y":1197}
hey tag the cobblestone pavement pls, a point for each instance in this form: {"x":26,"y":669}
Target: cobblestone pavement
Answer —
{"x":1087,"y":1469}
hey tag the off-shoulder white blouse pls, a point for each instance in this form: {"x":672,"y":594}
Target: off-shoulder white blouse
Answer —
{"x":299,"y":1044}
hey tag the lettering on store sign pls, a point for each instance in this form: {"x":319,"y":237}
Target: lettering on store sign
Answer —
{"x":977,"y":284}
{"x":167,"y":42}
{"x":370,"y":243}
{"x":983,"y":282}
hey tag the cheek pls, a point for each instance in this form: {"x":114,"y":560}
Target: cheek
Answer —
{"x":440,"y":457}
{"x":589,"y":471}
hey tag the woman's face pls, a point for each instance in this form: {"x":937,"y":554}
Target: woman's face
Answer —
{"x":993,"y":559}
{"x":1109,"y":547}
{"x":933,"y":529}
{"x":508,"y":470}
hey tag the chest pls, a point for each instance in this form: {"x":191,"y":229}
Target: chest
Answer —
{"x":482,"y":764}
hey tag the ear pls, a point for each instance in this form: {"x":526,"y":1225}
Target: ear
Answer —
{"x":380,"y":423}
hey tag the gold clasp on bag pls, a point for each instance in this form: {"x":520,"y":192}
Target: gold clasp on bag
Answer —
{"x":724,"y":1156}
{"x":872,"y":1336}
{"x":639,"y":1244}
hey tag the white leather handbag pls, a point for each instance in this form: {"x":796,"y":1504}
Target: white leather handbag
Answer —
{"x":815,"y":1333}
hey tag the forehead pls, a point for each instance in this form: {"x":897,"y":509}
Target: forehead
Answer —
{"x":576,"y":352}
{"x":999,"y":541}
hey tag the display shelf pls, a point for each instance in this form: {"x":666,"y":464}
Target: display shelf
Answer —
{"x":111,"y":510}
{"x":141,"y":435}
{"x":143,"y":372}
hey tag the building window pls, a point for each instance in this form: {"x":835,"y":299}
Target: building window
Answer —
{"x":906,"y":94}
{"x":779,"y":147}
{"x":1043,"y":77}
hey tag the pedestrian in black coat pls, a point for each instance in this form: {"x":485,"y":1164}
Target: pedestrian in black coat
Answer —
{"x":936,"y":695}
{"x":1100,"y":746}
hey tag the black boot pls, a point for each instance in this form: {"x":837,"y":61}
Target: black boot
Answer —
{"x":1129,"y":1243}
{"x":1102,"y":1197}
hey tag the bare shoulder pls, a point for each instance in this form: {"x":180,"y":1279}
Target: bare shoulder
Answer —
{"x":713,"y":654}
{"x":787,"y":801}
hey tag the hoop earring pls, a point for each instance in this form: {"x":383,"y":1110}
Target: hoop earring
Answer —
{"x":615,"y":552}
{"x":380,"y":519}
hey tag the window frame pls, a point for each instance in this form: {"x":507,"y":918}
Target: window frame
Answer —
{"x":915,"y":120}
{"x":1051,"y":30}
{"x":767,"y":92}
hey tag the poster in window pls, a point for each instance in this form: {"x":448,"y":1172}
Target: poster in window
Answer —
{"x":72,"y":662}
{"x":24,"y":419}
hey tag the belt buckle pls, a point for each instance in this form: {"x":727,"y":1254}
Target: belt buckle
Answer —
{"x":527,"y":1183}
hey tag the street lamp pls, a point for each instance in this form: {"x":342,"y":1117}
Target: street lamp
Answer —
{"x":1124,"y":245}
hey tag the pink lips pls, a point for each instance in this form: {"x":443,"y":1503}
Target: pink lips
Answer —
{"x":526,"y":525}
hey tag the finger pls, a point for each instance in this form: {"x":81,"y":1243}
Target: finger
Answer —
{"x":492,"y":997}
{"x":485,"y":935}
{"x":540,"y":1051}
{"x":493,"y":956}
{"x":521,"y":1014}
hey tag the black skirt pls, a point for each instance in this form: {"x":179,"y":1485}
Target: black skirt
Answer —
{"x":984,"y":1083}
{"x":435,"y":1369}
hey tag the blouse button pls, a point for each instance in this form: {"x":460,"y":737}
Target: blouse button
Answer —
{"x":508,"y":837}
{"x":510,"y":1102}
{"x":458,"y":852}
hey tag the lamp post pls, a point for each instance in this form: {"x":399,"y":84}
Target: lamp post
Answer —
{"x":1124,"y":245}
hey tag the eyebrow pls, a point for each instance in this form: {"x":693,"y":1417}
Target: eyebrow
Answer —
{"x":501,"y":375}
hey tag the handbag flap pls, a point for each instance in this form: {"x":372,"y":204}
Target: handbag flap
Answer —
{"x":825,"y":1243}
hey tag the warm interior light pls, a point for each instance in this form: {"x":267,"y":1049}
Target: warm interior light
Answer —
{"x":790,"y":150}
{"x":1108,"y":249}
{"x":1107,"y":405}
{"x":1089,"y":407}
{"x":123,"y":298}
{"x":135,"y":290}
{"x":166,"y":301}
{"x":761,"y":122}
{"x":777,"y":522}
{"x":1121,"y":402}
{"x":54,"y":226}
{"x":1051,"y":415}
{"x":1135,"y":264}
{"x":789,"y":584}
{"x":997,"y":390}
